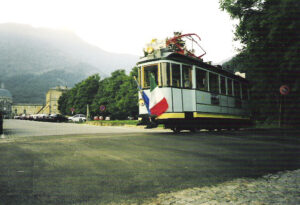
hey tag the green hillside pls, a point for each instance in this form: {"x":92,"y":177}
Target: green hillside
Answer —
{"x":32,"y":60}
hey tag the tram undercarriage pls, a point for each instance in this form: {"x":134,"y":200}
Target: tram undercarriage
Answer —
{"x":194,"y":124}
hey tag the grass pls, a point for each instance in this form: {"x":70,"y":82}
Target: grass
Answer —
{"x":132,"y":168}
{"x":112,"y":122}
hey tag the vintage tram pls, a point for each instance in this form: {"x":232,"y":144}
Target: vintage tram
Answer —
{"x":199,"y":95}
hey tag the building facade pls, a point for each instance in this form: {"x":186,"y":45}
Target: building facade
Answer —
{"x":52,"y":97}
{"x":51,"y":106}
{"x":27,"y":109}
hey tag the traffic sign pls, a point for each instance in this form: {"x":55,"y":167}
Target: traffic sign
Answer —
{"x":284,"y":90}
{"x":102,"y":108}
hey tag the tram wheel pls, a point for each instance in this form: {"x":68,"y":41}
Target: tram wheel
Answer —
{"x":176,"y":129}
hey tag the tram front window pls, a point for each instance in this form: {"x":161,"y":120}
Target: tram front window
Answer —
{"x":187,"y":76}
{"x":176,"y":75}
{"x":148,"y":70}
{"x":165,"y":74}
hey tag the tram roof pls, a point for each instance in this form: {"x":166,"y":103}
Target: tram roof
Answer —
{"x":189,"y":60}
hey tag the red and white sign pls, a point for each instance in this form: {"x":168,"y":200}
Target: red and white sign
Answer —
{"x":284,"y":90}
{"x":102,"y":108}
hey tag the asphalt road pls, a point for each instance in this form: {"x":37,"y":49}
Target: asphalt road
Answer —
{"x":101,"y":165}
{"x":23,"y":128}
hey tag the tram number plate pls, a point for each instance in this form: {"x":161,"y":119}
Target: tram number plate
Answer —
{"x":215,"y":100}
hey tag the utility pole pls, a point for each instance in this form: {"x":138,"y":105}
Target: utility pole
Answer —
{"x":87,"y":112}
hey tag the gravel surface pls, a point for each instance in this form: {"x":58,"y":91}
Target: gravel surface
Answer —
{"x":280,"y":188}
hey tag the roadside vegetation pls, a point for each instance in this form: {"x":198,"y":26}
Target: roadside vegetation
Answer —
{"x":112,"y":122}
{"x":270,"y":56}
{"x":118,"y":93}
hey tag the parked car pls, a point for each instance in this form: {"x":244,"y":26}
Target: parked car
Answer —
{"x":22,"y":117}
{"x":77,"y":118}
{"x":57,"y":118}
{"x":35,"y":117}
{"x":41,"y":117}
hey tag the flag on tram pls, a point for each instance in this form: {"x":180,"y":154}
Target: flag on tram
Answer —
{"x":158,"y":103}
{"x":146,"y":101}
{"x":144,"y":96}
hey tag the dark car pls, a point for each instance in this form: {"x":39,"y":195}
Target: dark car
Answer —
{"x":57,"y":118}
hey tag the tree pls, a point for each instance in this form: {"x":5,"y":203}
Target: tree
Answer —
{"x":62,"y":103}
{"x":118,"y":94}
{"x":78,"y":97}
{"x":269,"y":30}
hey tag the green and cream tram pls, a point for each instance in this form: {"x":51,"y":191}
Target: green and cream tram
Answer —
{"x":199,"y":95}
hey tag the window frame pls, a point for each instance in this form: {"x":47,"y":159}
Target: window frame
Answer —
{"x":190,"y":76}
{"x":144,"y":76}
{"x":168,"y":68}
{"x":180,"y":77}
{"x":206,"y":86}
{"x":230,"y":86}
{"x":218,"y":86}
{"x":225,"y":84}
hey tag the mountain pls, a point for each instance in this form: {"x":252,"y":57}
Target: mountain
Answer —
{"x":34,"y":59}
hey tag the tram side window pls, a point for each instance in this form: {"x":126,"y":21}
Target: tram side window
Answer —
{"x":148,"y":70}
{"x":244,"y":91}
{"x":139,"y":76}
{"x":176,"y":75}
{"x":213,"y":83}
{"x":237,"y":89}
{"x":223,"y":85}
{"x":187,"y":76}
{"x":201,"y":81}
{"x":165,"y":74}
{"x":229,"y":86}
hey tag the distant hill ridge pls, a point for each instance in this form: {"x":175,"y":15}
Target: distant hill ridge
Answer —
{"x":34,"y":59}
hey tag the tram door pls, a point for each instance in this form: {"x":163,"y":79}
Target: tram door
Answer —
{"x":188,"y":94}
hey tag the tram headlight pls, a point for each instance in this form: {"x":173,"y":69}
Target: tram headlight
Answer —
{"x":141,"y":102}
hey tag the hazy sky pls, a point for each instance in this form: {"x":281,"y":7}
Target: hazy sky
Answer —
{"x":126,"y":26}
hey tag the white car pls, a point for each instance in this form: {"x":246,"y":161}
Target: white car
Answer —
{"x":77,"y":118}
